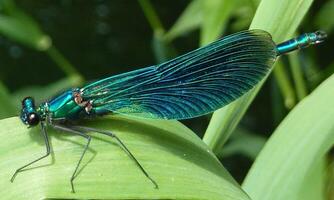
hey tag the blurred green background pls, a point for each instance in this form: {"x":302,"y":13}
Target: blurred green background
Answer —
{"x":47,"y":46}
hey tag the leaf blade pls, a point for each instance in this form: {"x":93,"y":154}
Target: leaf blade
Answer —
{"x":306,"y":134}
{"x":179,"y":161}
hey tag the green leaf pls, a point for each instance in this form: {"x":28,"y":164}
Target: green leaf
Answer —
{"x":174,"y":156}
{"x":190,"y":19}
{"x":300,"y":142}
{"x":281,"y":19}
{"x":314,"y":183}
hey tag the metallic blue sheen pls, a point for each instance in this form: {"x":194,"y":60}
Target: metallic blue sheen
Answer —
{"x":190,"y":85}
{"x":28,"y":107}
{"x":59,"y":101}
{"x":301,"y":42}
{"x":28,"y":103}
{"x":64,"y":107}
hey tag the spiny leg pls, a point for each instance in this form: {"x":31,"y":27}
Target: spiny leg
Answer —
{"x":86,"y":129}
{"x":69,"y":129}
{"x":47,"y":145}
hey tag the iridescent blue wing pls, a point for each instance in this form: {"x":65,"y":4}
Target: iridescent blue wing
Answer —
{"x":191,"y":85}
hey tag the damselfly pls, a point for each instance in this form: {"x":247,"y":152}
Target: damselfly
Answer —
{"x":188,"y":86}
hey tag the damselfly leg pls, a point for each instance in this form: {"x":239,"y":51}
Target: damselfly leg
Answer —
{"x":121,"y":144}
{"x":47,"y":145}
{"x":82,"y":134}
{"x":82,"y":131}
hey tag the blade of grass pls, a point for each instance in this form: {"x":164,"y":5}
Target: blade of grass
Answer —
{"x":175,"y":157}
{"x":300,"y":141}
{"x":281,"y":19}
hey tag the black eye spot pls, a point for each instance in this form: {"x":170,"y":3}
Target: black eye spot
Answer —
{"x":33,"y":119}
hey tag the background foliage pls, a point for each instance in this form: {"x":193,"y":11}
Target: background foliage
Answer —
{"x":48,"y":46}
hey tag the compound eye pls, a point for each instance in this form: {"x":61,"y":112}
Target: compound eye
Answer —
{"x":33,"y":119}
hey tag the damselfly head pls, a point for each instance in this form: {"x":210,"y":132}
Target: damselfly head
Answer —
{"x":319,"y":36}
{"x":29,"y":115}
